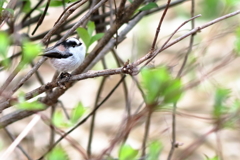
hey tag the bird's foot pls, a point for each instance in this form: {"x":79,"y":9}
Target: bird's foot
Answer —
{"x":63,"y":75}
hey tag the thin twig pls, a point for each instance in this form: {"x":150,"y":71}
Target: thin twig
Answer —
{"x":100,"y":89}
{"x":159,"y":26}
{"x":19,"y":146}
{"x":147,"y":127}
{"x":42,"y":17}
{"x":178,"y":76}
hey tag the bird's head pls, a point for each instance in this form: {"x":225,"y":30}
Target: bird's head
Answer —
{"x":67,"y":48}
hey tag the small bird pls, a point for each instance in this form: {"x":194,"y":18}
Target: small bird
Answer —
{"x":67,"y":56}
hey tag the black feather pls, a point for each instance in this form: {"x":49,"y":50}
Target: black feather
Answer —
{"x":56,"y":55}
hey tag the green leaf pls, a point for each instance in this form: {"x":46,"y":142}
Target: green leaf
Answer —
{"x":90,"y":27}
{"x":211,"y":8}
{"x":4,"y":44}
{"x":27,"y":6}
{"x":77,"y":112}
{"x":27,"y":105}
{"x":173,"y":92}
{"x":35,"y":105}
{"x":56,"y":3}
{"x":84,"y":35}
{"x":57,"y":153}
{"x":59,"y":120}
{"x":214,"y":158}
{"x":95,"y":38}
{"x":237,"y":41}
{"x":149,"y":6}
{"x":160,"y":86}
{"x":154,"y":150}
{"x":30,"y":51}
{"x":231,"y":3}
{"x":126,"y":152}
{"x":221,"y":95}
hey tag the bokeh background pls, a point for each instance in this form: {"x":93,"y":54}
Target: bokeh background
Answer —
{"x":211,"y":47}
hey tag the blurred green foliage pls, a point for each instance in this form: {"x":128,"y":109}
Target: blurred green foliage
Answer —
{"x":28,"y":105}
{"x":57,"y":153}
{"x":4,"y":46}
{"x":60,"y":120}
{"x":77,"y":112}
{"x":237,"y":41}
{"x":29,"y":51}
{"x":126,"y":152}
{"x":154,"y":150}
{"x":160,"y":86}
{"x":220,"y":108}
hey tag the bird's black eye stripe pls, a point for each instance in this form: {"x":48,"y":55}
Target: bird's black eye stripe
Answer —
{"x":68,"y":44}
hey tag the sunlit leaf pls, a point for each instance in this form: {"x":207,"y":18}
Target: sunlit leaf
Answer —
{"x":159,"y":85}
{"x":214,"y":158}
{"x":95,"y":38}
{"x":28,"y":105}
{"x":90,"y":27}
{"x":59,"y":120}
{"x":231,"y":3}
{"x":84,"y":35}
{"x":237,"y":41}
{"x":57,"y":153}
{"x":221,"y":95}
{"x":77,"y":112}
{"x":154,"y":150}
{"x":4,"y":44}
{"x":30,"y":51}
{"x":173,"y":91}
{"x":126,"y":152}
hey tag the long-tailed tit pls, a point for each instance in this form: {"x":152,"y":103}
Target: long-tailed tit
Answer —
{"x":67,"y":56}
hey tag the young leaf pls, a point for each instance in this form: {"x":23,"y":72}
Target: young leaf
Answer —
{"x":154,"y":150}
{"x":26,"y":105}
{"x":58,"y":153}
{"x":237,"y":41}
{"x":27,"y":6}
{"x":221,"y":95}
{"x":149,"y":6}
{"x":77,"y":112}
{"x":173,"y":92}
{"x":4,"y":44}
{"x":95,"y":38}
{"x":90,"y":27}
{"x":126,"y":152}
{"x":59,"y":120}
{"x":83,"y":34}
{"x":30,"y":51}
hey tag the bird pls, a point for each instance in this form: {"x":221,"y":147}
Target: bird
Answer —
{"x":66,"y":56}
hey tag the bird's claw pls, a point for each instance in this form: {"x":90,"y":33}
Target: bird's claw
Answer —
{"x":63,"y":75}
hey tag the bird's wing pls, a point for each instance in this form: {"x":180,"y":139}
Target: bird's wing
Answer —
{"x":56,"y":55}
